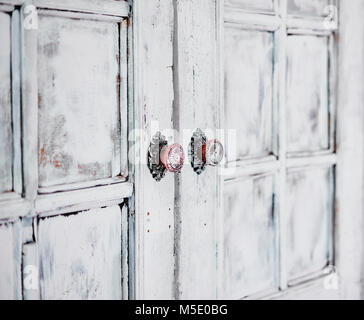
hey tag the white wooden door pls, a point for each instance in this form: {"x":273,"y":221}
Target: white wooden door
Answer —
{"x":64,"y":183}
{"x":274,"y":221}
{"x":279,"y":68}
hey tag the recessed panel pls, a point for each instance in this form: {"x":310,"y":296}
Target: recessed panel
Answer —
{"x":78,"y":80}
{"x":308,"y":7}
{"x":248,"y":92}
{"x":6,"y":134}
{"x":10,"y":263}
{"x":249,"y":237}
{"x":80,"y":255}
{"x":307,"y":94}
{"x":309,"y":221}
{"x":252,"y":4}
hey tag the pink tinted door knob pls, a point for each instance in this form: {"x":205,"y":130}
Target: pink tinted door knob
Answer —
{"x":172,"y":157}
{"x":162,"y":157}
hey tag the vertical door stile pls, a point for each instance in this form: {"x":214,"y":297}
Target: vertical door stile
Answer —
{"x":282,"y":143}
{"x":29,"y":25}
{"x":123,"y":101}
{"x":153,"y":80}
{"x":220,"y":5}
{"x":16,"y":101}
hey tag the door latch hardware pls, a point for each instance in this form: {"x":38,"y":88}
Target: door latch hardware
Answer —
{"x":163,"y":157}
{"x":203,"y":152}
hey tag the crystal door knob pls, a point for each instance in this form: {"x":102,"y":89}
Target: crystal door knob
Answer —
{"x":212,"y":152}
{"x":203,"y":152}
{"x":162,"y":157}
{"x":172,"y":157}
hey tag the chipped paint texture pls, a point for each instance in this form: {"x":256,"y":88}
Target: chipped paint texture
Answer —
{"x":79,"y":123}
{"x":154,"y":200}
{"x":6,"y":147}
{"x":80,"y":255}
{"x":307,"y":7}
{"x":307,"y":94}
{"x":249,"y":237}
{"x":248,"y":90}
{"x":195,"y":241}
{"x":10,"y":263}
{"x":309,"y":210}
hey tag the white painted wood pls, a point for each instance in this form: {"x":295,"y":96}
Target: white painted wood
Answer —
{"x":16,"y":101}
{"x":250,"y":257}
{"x":30,"y":272}
{"x":123,"y":100}
{"x":13,"y":209}
{"x":80,"y":255}
{"x":307,"y":94}
{"x":349,"y":250}
{"x":267,"y":5}
{"x":6,"y":134}
{"x":6,"y":8}
{"x":29,"y":94}
{"x":107,"y":7}
{"x":248,"y":90}
{"x":10,"y":266}
{"x":62,"y":202}
{"x":284,"y":122}
{"x":309,"y":206}
{"x":252,"y":21}
{"x":153,"y":56}
{"x":196,"y":84}
{"x":308,"y":7}
{"x":78,"y":142}
{"x":124,"y":252}
{"x":81,"y":185}
{"x":109,"y":192}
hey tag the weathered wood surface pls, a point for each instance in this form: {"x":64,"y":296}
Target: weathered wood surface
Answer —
{"x":250,"y":256}
{"x":10,"y":265}
{"x":350,"y":222}
{"x":153,"y":56}
{"x":248,"y":91}
{"x":196,"y":107}
{"x":80,"y":255}
{"x":309,"y":208}
{"x":107,"y":7}
{"x":307,"y":94}
{"x":79,"y":123}
{"x":6,"y":133}
{"x":308,"y":7}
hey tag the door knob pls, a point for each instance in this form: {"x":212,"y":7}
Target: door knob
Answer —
{"x":203,"y":152}
{"x":163,"y":157}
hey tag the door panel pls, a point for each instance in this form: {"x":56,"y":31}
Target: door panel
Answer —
{"x":79,"y":116}
{"x":248,"y":92}
{"x":307,"y":94}
{"x":308,"y":7}
{"x":250,"y":256}
{"x":6,"y":135}
{"x":310,"y":212}
{"x":10,"y":266}
{"x":80,"y":255}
